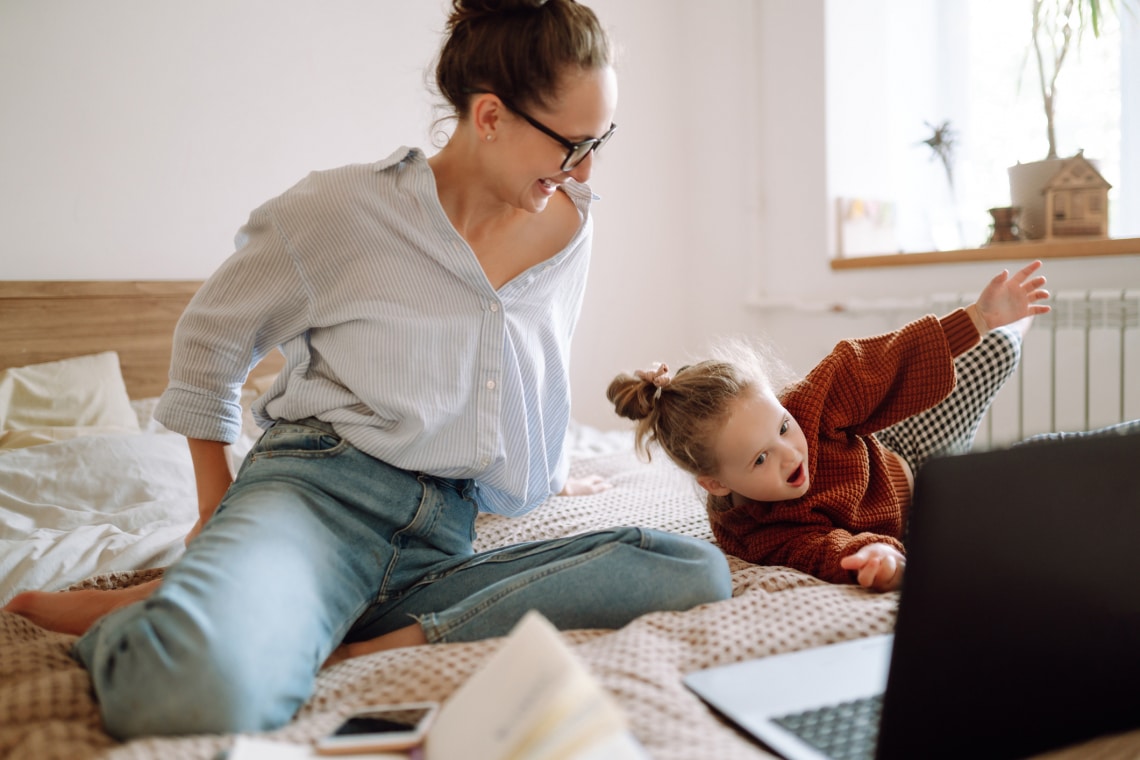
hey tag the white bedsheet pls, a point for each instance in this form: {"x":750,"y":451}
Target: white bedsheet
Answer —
{"x":92,"y":505}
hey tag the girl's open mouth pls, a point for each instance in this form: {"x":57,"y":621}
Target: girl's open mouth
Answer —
{"x":797,"y":476}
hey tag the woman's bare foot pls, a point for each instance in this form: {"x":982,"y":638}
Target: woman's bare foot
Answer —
{"x":410,"y":636}
{"x":75,"y":611}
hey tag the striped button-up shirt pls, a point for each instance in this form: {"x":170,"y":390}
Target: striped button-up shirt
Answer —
{"x":391,"y":331}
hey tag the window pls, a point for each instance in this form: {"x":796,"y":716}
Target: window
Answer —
{"x":904,"y":74}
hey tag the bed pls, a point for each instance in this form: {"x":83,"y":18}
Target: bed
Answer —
{"x":107,"y":499}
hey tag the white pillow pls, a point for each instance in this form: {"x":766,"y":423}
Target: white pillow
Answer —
{"x":52,"y":400}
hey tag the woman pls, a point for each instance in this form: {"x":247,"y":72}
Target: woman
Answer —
{"x":425,"y":308}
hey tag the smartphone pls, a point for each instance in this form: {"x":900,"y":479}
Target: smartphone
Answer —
{"x":379,"y":728}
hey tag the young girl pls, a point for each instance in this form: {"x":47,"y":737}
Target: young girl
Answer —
{"x":819,"y":477}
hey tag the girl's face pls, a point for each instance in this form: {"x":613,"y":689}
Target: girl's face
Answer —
{"x":584,"y":110}
{"x":762,"y":451}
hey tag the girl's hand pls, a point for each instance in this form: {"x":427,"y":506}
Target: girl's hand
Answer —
{"x":878,"y":567}
{"x":585,"y":486}
{"x":1008,"y":298}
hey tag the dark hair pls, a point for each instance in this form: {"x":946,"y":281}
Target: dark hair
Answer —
{"x":517,"y":49}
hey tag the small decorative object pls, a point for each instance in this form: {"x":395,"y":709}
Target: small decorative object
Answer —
{"x":1076,"y":200}
{"x":1005,"y":225}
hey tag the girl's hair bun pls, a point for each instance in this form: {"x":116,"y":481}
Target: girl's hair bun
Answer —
{"x":633,"y":397}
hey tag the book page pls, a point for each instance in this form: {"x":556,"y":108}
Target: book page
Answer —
{"x":532,"y":700}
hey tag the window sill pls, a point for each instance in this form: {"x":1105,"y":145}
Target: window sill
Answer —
{"x":1035,"y":249}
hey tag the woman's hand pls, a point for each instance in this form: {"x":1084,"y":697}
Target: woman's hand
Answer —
{"x":212,"y":476}
{"x":585,"y":486}
{"x":1007,"y":299}
{"x":878,"y":567}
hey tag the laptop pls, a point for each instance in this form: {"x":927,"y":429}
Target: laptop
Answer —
{"x":1018,"y":627}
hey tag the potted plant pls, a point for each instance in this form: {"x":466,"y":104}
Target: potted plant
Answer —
{"x":1058,"y":26}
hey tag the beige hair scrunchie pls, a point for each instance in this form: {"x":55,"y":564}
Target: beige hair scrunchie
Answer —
{"x":659,"y":375}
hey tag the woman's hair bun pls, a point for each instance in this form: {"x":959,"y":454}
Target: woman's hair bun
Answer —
{"x":475,"y":8}
{"x":519,"y":50}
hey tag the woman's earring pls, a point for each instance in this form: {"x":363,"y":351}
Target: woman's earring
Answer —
{"x":490,"y":137}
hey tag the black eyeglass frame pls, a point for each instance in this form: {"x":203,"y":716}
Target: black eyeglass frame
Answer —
{"x":576,"y":152}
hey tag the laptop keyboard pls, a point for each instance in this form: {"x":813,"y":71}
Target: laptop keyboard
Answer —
{"x":846,"y":731}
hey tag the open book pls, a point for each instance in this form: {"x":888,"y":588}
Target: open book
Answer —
{"x":532,"y":700}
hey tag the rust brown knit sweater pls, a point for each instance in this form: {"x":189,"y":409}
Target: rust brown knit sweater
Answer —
{"x":859,"y":493}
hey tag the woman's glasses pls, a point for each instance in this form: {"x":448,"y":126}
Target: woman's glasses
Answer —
{"x":576,"y":152}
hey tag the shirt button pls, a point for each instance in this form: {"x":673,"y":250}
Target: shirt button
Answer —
{"x":490,"y":385}
{"x":494,"y":307}
{"x":484,"y":462}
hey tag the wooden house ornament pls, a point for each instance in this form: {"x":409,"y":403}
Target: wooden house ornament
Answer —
{"x":1076,"y":200}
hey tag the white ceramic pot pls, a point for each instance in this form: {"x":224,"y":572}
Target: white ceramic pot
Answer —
{"x":1027,"y":192}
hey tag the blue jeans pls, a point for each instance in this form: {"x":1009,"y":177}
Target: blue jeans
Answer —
{"x":315,"y":543}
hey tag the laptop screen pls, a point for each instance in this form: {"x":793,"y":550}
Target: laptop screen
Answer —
{"x":1019,"y":622}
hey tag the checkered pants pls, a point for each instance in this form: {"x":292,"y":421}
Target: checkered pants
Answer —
{"x":949,"y":427}
{"x":1129,"y":427}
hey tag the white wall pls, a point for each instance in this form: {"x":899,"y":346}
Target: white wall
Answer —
{"x":136,"y":136}
{"x":678,"y":227}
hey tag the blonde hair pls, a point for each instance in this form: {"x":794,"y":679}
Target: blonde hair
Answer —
{"x":684,"y":414}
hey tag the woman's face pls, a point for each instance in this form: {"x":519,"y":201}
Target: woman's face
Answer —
{"x":583,"y":110}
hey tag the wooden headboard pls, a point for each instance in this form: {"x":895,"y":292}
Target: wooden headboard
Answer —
{"x":45,"y":320}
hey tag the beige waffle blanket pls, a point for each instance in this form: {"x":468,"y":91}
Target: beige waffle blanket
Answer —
{"x":47,"y":709}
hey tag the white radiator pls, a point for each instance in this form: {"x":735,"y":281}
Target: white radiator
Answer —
{"x":1080,"y":367}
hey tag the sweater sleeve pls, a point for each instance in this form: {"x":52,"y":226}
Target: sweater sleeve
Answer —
{"x":872,"y":383}
{"x":818,"y":551}
{"x":812,"y":545}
